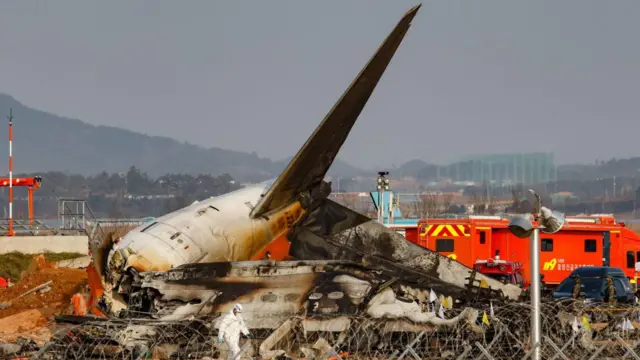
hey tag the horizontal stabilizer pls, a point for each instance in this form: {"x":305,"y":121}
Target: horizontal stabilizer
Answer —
{"x":309,"y":166}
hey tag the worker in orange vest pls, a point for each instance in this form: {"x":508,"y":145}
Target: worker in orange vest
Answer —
{"x":79,"y":301}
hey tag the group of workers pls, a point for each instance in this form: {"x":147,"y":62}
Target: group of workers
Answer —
{"x":609,"y":291}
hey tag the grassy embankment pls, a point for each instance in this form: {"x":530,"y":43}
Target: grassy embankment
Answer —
{"x":13,"y":264}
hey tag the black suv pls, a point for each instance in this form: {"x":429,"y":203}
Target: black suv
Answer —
{"x":594,"y":283}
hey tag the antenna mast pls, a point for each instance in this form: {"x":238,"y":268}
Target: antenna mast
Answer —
{"x":10,"y":117}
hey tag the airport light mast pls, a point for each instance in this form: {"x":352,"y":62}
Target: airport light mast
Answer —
{"x":31,"y":183}
{"x":10,"y":117}
{"x":382,"y":186}
{"x":529,"y":226}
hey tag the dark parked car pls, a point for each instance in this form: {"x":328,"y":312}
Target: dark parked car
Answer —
{"x":594,"y":283}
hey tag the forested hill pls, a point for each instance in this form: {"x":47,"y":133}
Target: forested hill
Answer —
{"x":47,"y":142}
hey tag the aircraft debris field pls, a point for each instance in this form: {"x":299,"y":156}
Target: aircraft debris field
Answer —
{"x":346,"y":285}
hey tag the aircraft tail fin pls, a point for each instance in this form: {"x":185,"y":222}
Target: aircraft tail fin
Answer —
{"x":309,"y":166}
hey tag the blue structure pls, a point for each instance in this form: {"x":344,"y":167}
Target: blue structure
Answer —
{"x":397,"y":218}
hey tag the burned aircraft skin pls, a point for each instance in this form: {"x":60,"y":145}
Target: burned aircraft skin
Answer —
{"x":322,"y":234}
{"x":363,"y":257}
{"x":185,"y":263}
{"x":272,"y":292}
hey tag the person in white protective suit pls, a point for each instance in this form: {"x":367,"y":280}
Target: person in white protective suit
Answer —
{"x":230,"y":328}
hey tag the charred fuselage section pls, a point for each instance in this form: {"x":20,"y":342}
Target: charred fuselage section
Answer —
{"x":272,"y":292}
{"x":369,"y":253}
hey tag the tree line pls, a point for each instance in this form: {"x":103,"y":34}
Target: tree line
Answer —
{"x":134,"y":194}
{"x":620,"y":196}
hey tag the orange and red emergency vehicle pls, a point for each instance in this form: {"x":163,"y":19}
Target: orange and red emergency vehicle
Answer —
{"x":596,"y":240}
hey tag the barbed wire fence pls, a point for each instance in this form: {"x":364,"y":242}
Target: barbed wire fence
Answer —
{"x":570,"y":330}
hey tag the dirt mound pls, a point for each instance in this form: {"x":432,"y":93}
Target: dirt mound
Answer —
{"x":31,"y":316}
{"x":66,"y":282}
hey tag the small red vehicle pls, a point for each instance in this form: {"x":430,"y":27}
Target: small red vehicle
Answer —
{"x":508,"y":272}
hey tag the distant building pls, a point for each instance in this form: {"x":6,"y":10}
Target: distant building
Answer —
{"x":505,"y":169}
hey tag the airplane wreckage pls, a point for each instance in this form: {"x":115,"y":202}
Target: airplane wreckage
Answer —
{"x":202,"y":259}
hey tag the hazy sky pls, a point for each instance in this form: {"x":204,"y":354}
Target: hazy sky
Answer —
{"x":470,"y":77}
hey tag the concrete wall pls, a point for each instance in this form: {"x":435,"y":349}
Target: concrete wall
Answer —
{"x":42,"y":244}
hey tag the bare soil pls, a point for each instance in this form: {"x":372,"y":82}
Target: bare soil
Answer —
{"x":66,"y":282}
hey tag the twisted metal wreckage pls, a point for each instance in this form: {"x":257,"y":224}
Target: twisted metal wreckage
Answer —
{"x":193,"y":263}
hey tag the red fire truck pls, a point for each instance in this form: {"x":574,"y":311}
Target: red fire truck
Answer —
{"x":584,"y":241}
{"x":508,"y":272}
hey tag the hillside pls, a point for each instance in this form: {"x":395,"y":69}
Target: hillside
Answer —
{"x":411,"y":168}
{"x":47,"y":142}
{"x":601,"y":169}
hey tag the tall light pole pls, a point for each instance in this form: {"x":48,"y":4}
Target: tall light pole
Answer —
{"x":10,"y":117}
{"x":382,"y":186}
{"x":523,"y":226}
